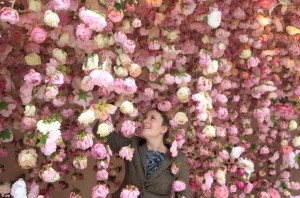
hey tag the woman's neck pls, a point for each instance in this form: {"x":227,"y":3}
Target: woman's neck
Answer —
{"x":156,"y":146}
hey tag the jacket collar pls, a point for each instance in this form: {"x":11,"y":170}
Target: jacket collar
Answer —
{"x":168,"y":160}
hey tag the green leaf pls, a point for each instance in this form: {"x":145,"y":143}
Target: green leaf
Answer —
{"x":3,"y":105}
{"x":42,"y":140}
{"x":273,"y":118}
{"x":5,"y":134}
{"x":181,"y":74}
{"x":284,"y":186}
{"x":120,"y":6}
{"x":205,"y":19}
{"x":62,"y":69}
{"x":83,"y":96}
{"x":297,"y":157}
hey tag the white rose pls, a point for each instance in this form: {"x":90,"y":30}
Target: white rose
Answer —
{"x":209,"y":131}
{"x":247,"y":165}
{"x":100,"y":40}
{"x":293,"y":125}
{"x":296,"y":141}
{"x":33,"y":59}
{"x":183,"y":94}
{"x":126,"y":107}
{"x":18,"y":189}
{"x":27,"y":158}
{"x":91,"y":63}
{"x":212,"y":68}
{"x":87,"y":117}
{"x":245,"y":54}
{"x":236,"y":152}
{"x":42,"y":127}
{"x":220,"y":177}
{"x":54,"y":126}
{"x":121,"y":71}
{"x":104,"y":129}
{"x":29,"y":110}
{"x":51,"y":18}
{"x":35,"y":5}
{"x":63,"y":40}
{"x":5,"y":188}
{"x":214,"y":19}
{"x":180,"y":118}
{"x":59,"y":55}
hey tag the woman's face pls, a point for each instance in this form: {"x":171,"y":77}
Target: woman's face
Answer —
{"x":152,"y":125}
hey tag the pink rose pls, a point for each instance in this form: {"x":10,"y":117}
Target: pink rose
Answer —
{"x":129,"y":46}
{"x":83,"y":32}
{"x":120,"y":37}
{"x":33,"y":78}
{"x":38,"y":35}
{"x":99,"y":151}
{"x":26,"y":93}
{"x":284,"y":110}
{"x":130,"y":192}
{"x":221,"y":192}
{"x":9,"y":15}
{"x":60,"y":4}
{"x":266,"y":4}
{"x":126,"y":153}
{"x":51,"y":92}
{"x":94,"y":20}
{"x":273,"y":193}
{"x":173,"y":149}
{"x":128,"y":128}
{"x":100,"y":191}
{"x":115,"y":15}
{"x":178,"y":186}
{"x":248,"y":188}
{"x":101,"y":78}
{"x":102,"y":175}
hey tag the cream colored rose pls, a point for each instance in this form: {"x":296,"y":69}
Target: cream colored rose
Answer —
{"x":135,"y":70}
{"x":209,"y":131}
{"x":212,"y":68}
{"x":63,"y":40}
{"x":59,"y":55}
{"x":180,"y":118}
{"x":104,"y":129}
{"x":5,"y":188}
{"x":91,"y":63}
{"x":127,"y":107}
{"x":35,"y":5}
{"x":173,"y":35}
{"x":183,"y":94}
{"x":42,"y":127}
{"x":272,"y":95}
{"x":121,"y":71}
{"x":29,"y":110}
{"x":296,"y":141}
{"x":27,"y":158}
{"x":33,"y":59}
{"x":205,"y":39}
{"x":214,"y":19}
{"x":245,"y":54}
{"x":51,"y":18}
{"x":220,"y":177}
{"x":293,"y":125}
{"x":87,"y":117}
{"x":100,"y":41}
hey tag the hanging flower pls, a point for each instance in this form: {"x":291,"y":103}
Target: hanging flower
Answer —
{"x":27,"y":158}
{"x":130,"y":191}
{"x":126,"y":152}
{"x":18,"y":189}
{"x":48,"y":174}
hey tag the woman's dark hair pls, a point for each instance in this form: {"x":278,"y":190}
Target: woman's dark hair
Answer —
{"x":165,"y":123}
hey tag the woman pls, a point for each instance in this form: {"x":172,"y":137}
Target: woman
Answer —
{"x":150,"y":168}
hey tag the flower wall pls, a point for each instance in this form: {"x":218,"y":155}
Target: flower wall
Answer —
{"x":226,"y":72}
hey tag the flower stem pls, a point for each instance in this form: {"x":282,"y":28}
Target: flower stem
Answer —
{"x":13,"y":3}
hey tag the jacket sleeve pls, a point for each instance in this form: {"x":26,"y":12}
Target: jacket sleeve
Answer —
{"x":184,"y":175}
{"x":115,"y":140}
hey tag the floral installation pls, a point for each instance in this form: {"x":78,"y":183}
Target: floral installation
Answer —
{"x":225,"y":72}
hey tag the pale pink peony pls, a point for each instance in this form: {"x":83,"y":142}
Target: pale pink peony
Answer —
{"x":129,"y":46}
{"x":102,"y":175}
{"x":128,"y":128}
{"x":83,"y":32}
{"x":80,"y":162}
{"x":100,"y":191}
{"x":130,"y":192}
{"x":173,"y":149}
{"x":115,"y":15}
{"x":33,"y":78}
{"x":178,"y":186}
{"x":126,"y":152}
{"x":102,"y":78}
{"x":273,"y":193}
{"x":99,"y":151}
{"x":94,"y":20}
{"x":60,"y":4}
{"x":221,"y":192}
{"x":48,"y":174}
{"x":55,"y":79}
{"x":9,"y":15}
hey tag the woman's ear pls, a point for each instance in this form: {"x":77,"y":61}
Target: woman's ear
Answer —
{"x":164,"y":129}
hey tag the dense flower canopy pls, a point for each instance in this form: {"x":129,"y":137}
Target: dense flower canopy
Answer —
{"x":226,"y":73}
